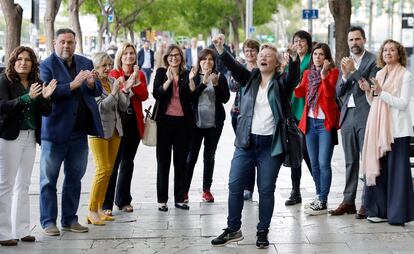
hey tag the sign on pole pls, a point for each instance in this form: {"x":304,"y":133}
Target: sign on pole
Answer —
{"x":310,"y":14}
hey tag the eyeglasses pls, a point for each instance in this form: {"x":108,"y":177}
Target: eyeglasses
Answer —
{"x":174,"y":55}
{"x":250,"y":51}
{"x":299,"y":41}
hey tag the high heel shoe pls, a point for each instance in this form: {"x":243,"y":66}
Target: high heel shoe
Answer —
{"x":105,"y":217}
{"x":95,"y":220}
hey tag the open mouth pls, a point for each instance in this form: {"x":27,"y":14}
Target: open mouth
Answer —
{"x":263,"y":64}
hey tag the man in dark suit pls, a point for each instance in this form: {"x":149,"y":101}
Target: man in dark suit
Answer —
{"x":146,"y":60}
{"x":354,"y":113}
{"x":64,"y":132}
{"x":191,"y":54}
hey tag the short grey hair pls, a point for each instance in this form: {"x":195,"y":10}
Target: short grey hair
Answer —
{"x":101,"y":57}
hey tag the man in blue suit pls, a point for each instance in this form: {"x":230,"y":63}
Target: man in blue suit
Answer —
{"x":191,"y":54}
{"x":146,"y":60}
{"x":64,"y":133}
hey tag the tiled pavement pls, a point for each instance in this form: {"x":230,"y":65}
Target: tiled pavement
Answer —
{"x":148,"y":231}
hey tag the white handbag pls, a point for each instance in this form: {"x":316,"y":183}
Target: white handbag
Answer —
{"x":150,"y":130}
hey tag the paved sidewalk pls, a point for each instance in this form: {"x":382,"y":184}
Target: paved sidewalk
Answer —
{"x":147,"y":230}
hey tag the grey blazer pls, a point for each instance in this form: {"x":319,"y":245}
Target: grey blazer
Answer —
{"x":109,"y":107}
{"x":367,"y":69}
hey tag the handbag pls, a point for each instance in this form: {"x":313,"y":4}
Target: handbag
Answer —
{"x":150,"y":130}
{"x":291,"y":135}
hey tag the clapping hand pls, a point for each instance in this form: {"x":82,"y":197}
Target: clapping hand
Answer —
{"x":292,"y":50}
{"x":325,"y":68}
{"x":206,"y":77}
{"x":116,"y":86}
{"x":90,"y":78}
{"x":364,"y":85}
{"x":376,"y":88}
{"x":47,"y":90}
{"x":192,"y":73}
{"x":347,"y":65}
{"x":35,"y":90}
{"x":214,"y":77}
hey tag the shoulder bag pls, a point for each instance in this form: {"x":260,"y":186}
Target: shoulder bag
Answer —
{"x":150,"y":130}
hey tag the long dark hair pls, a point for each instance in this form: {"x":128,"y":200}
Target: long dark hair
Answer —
{"x":203,"y":55}
{"x":326,"y":50}
{"x":11,"y":73}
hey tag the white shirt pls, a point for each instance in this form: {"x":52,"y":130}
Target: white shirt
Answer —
{"x":351,"y":102}
{"x":147,"y":59}
{"x":401,"y":125}
{"x":263,"y":121}
{"x":320,"y":115}
{"x":194,"y":56}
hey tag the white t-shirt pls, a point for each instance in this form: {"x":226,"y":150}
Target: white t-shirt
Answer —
{"x":263,"y":120}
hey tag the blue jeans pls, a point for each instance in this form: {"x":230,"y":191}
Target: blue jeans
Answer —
{"x":320,"y":148}
{"x":74,"y":154}
{"x":147,"y":72}
{"x":244,"y":159}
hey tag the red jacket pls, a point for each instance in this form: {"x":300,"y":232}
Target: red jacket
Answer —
{"x":140,"y":95}
{"x":326,"y":100}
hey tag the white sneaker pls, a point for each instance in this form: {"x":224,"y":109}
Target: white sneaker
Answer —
{"x":307,"y":205}
{"x":317,"y":208}
{"x":376,"y":219}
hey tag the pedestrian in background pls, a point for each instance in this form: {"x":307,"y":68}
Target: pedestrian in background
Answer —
{"x":126,"y":71}
{"x":319,"y":121}
{"x":386,"y":153}
{"x":210,"y":91}
{"x":174,"y":120}
{"x":112,"y":102}
{"x":146,"y":60}
{"x":24,"y":98}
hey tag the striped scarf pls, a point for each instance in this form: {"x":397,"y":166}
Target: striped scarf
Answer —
{"x":314,"y":78}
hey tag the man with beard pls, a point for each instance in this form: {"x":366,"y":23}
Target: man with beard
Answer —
{"x":354,"y":113}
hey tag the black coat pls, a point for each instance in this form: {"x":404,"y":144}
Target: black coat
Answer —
{"x":164,"y":97}
{"x":11,"y":109}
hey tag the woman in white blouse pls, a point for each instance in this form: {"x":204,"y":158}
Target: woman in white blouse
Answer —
{"x":385,"y":156}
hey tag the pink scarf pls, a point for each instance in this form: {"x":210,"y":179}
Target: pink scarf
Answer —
{"x":378,"y":131}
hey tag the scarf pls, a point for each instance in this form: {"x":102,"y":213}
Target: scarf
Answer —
{"x":378,"y":131}
{"x":314,"y":78}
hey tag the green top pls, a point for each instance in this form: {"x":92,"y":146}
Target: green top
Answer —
{"x":298,"y":104}
{"x":29,"y":121}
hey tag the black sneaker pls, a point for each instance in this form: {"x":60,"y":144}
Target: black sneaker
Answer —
{"x":262,"y":242}
{"x":317,"y":208}
{"x":227,"y":237}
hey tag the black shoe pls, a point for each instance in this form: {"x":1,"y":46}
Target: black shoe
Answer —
{"x":262,"y":242}
{"x":295,"y":198}
{"x":227,"y":237}
{"x":183,"y":206}
{"x":163,"y":208}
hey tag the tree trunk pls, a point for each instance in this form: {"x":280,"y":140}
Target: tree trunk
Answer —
{"x":102,"y":28}
{"x":73,"y":8}
{"x":52,"y":8}
{"x":13,"y":14}
{"x":341,"y":12}
{"x":131,"y":34}
{"x":235,"y":24}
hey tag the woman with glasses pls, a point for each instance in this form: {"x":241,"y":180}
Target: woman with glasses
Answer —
{"x":174,"y":119}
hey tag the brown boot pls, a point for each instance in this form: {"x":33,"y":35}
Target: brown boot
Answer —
{"x":361,"y":214}
{"x":343,"y":208}
{"x":10,"y":242}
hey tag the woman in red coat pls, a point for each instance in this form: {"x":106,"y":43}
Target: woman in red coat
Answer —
{"x":319,"y":121}
{"x":126,"y":70}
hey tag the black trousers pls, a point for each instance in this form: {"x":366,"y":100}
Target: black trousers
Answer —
{"x":296,"y":173}
{"x":211,"y":138}
{"x":119,"y":186}
{"x":173,"y":135}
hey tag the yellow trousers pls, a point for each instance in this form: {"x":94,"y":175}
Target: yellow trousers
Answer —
{"x":104,"y":153}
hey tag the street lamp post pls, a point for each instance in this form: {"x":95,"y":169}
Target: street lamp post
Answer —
{"x":249,"y":19}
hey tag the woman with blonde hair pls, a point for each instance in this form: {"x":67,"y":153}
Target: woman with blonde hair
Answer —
{"x":126,"y":70}
{"x":111,"y":102}
{"x":174,"y":119}
{"x":389,"y":193}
